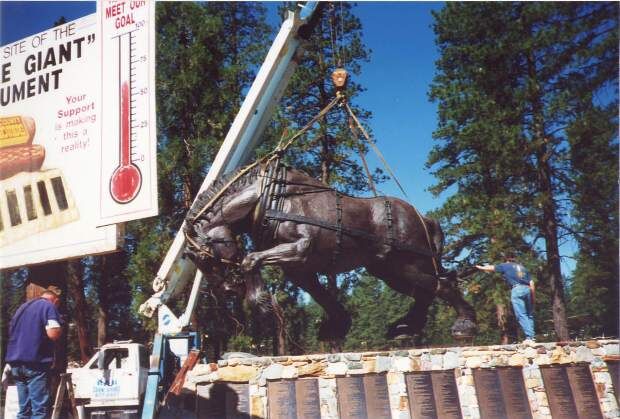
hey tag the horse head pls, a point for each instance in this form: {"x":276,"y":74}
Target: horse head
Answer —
{"x":211,"y":247}
{"x":217,"y":253}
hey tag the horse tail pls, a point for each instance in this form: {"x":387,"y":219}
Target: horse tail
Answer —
{"x":437,"y":237}
{"x":437,"y":240}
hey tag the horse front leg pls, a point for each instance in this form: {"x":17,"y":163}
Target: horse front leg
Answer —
{"x":282,"y":254}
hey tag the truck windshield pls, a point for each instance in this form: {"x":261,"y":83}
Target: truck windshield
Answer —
{"x":113,"y":359}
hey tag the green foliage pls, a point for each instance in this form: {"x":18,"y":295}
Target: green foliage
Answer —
{"x":511,"y":79}
{"x":594,"y":160}
{"x":241,"y":343}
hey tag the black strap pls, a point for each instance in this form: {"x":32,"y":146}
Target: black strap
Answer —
{"x":337,"y":251}
{"x":353,"y":232}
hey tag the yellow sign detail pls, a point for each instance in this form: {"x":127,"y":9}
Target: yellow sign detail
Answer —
{"x":13,"y":131}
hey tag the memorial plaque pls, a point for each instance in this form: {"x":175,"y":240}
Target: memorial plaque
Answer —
{"x":377,"y":396}
{"x":307,"y":398}
{"x":446,"y":393}
{"x":501,"y":393}
{"x":433,"y":394}
{"x":420,"y":393}
{"x":584,"y":392}
{"x":570,"y":391}
{"x":223,"y":401}
{"x":290,"y":399}
{"x":614,"y":370}
{"x":515,"y":394}
{"x":363,"y":397}
{"x":281,"y":399}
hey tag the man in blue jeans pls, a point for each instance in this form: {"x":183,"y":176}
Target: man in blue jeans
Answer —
{"x":30,"y":352}
{"x":522,"y":294}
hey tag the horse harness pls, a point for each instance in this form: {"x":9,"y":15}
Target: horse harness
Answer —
{"x":268,"y":214}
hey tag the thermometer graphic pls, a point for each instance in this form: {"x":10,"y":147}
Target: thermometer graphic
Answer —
{"x":126,"y":179}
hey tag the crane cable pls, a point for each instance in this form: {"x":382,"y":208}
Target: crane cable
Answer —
{"x":387,"y":166}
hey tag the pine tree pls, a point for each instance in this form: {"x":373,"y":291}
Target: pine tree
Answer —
{"x":594,"y":161}
{"x":510,"y":79}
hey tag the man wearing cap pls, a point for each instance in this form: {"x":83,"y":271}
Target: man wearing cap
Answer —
{"x":521,"y":295}
{"x":30,"y":351}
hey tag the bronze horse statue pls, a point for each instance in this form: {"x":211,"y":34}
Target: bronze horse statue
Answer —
{"x":307,"y":228}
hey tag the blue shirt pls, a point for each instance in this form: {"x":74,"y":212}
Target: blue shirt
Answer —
{"x":513,"y":273}
{"x":28,"y":341}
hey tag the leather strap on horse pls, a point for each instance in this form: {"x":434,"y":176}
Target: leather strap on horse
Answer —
{"x":353,"y":232}
{"x":272,"y":190}
{"x":338,"y":249}
{"x":390,"y":223}
{"x":202,"y":251}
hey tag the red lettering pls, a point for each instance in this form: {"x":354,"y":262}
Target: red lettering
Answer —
{"x":115,"y":10}
{"x":123,"y":21}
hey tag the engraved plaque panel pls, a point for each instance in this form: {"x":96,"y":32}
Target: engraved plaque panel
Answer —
{"x":420,"y":393}
{"x":290,"y":399}
{"x":501,"y":393}
{"x":223,"y":400}
{"x":614,"y":371}
{"x":363,"y":397}
{"x":307,"y":398}
{"x":446,"y":394}
{"x":515,"y":394}
{"x":377,"y":396}
{"x":584,"y":393}
{"x":569,"y":389}
{"x":489,"y":393}
{"x":558,"y":391}
{"x":433,"y":394}
{"x":281,"y":399}
{"x":351,"y":397}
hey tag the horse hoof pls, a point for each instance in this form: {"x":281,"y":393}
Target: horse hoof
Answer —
{"x":399,"y":331}
{"x":464,"y":328}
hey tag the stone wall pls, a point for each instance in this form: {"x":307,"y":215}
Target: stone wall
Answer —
{"x":462,"y":360}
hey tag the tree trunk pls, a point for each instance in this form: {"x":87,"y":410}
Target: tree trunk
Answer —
{"x":549,"y":224}
{"x":102,"y":326}
{"x":75,"y":286}
{"x":280,"y":326}
{"x":102,"y":308}
{"x":502,"y":323}
{"x":553,"y":268}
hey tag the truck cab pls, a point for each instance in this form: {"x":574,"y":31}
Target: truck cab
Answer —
{"x":112,"y":382}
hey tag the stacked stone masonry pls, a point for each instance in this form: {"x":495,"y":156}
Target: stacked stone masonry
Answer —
{"x":397,"y":365}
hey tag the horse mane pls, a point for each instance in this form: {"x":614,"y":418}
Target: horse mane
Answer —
{"x":219,"y":184}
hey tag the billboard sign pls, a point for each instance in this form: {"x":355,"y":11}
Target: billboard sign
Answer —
{"x":128,"y":188}
{"x":51,"y":159}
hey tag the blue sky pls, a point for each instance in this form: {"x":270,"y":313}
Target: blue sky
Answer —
{"x":397,"y":79}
